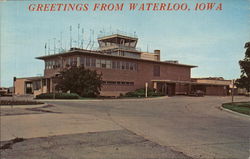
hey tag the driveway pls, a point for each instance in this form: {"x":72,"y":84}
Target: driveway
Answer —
{"x":194,"y":126}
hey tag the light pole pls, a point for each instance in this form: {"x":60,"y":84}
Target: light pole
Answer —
{"x":232,"y":91}
{"x":146,"y":89}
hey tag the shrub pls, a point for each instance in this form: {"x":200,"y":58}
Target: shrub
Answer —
{"x":141,"y":93}
{"x":85,"y":82}
{"x":58,"y":96}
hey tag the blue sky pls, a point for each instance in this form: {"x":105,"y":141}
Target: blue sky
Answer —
{"x":212,"y":40}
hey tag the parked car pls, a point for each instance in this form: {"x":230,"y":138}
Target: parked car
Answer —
{"x":3,"y":91}
{"x":197,"y":93}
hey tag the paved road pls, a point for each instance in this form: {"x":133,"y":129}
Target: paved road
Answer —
{"x":169,"y":127}
{"x":192,"y":125}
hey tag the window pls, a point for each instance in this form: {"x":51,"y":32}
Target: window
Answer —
{"x":135,"y":66}
{"x":74,"y":61}
{"x":156,"y":70}
{"x":121,"y":83}
{"x":36,"y":85}
{"x":44,"y":82}
{"x":93,"y":62}
{"x":108,"y":64}
{"x":131,"y":83}
{"x":87,"y":61}
{"x":113,"y":64}
{"x":123,"y":65}
{"x":49,"y":64}
{"x":127,"y":65}
{"x":98,"y":63}
{"x":131,"y":66}
{"x":82,"y":61}
{"x":118,"y":65}
{"x":103,"y":63}
{"x":71,"y":61}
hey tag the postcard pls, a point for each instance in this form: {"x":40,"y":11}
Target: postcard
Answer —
{"x":124,"y":79}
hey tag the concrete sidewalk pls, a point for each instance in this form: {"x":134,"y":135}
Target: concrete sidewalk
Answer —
{"x":49,"y":124}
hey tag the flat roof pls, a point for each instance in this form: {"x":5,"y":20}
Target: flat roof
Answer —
{"x":31,"y":78}
{"x":97,"y":53}
{"x":115,"y":36}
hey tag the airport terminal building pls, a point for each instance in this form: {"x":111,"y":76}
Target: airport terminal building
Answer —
{"x":124,"y":68}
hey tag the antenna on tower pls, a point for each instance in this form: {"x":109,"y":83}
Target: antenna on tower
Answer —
{"x":49,"y":48}
{"x":65,"y":45}
{"x":45,"y":49}
{"x":61,"y":48}
{"x":70,"y":30}
{"x":93,"y":41}
{"x":89,"y":39}
{"x":78,"y":38}
{"x":82,"y":38}
{"x":54,"y":45}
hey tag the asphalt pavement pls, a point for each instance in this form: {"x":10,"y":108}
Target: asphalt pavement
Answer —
{"x":185,"y":126}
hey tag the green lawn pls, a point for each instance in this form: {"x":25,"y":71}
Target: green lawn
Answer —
{"x":240,"y":107}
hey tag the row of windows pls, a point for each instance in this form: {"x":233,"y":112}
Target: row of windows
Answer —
{"x":118,"y":83}
{"x":92,"y":62}
{"x":52,"y":64}
{"x":109,"y":64}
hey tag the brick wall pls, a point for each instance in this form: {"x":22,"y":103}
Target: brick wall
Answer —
{"x":139,"y":77}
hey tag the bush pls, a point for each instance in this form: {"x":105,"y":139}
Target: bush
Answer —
{"x":141,"y":93}
{"x":58,"y":96}
{"x":85,"y":82}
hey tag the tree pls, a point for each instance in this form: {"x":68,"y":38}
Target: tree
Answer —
{"x":244,"y":80}
{"x":85,"y":82}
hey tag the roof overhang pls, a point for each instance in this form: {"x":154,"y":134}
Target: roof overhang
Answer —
{"x":100,"y":53}
{"x":115,"y":37}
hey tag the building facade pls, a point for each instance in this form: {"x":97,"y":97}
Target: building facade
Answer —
{"x":123,"y":66}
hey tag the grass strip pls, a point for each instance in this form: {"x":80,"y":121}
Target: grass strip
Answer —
{"x":240,"y":107}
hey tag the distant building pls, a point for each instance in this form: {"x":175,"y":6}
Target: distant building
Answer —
{"x":124,"y":67}
{"x":212,"y":85}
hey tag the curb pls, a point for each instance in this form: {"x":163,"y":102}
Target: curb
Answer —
{"x":233,"y":112}
{"x":98,"y":100}
{"x":22,"y":106}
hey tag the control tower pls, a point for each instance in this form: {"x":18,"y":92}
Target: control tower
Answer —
{"x":119,"y":45}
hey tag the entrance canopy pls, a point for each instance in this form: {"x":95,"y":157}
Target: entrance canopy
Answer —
{"x":189,"y":82}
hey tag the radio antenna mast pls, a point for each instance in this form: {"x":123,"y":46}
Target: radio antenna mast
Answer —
{"x":89,"y":39}
{"x":61,"y":48}
{"x":93,"y":41}
{"x":54,"y":45}
{"x":45,"y":48}
{"x":82,"y":38}
{"x":70,"y":30}
{"x":49,"y":48}
{"x":78,"y":36}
